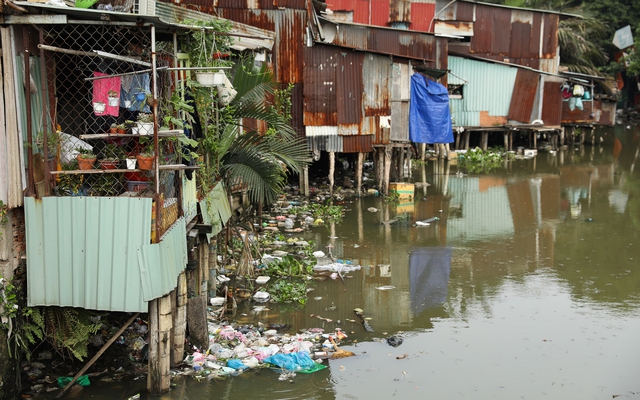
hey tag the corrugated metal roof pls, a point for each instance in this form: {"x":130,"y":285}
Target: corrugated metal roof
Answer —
{"x":489,"y":88}
{"x":82,"y":251}
{"x":557,"y":13}
{"x":161,"y":263}
{"x":524,"y":94}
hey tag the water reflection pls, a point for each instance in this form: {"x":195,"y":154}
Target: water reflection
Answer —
{"x":527,"y":286}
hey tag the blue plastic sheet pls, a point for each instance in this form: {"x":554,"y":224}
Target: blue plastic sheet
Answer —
{"x":298,"y":362}
{"x":236,"y":364}
{"x":429,"y":113}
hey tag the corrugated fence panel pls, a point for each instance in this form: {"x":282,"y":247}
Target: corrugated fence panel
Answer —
{"x":550,"y":37}
{"x":349,"y":87}
{"x":320,"y":91}
{"x":82,"y":251}
{"x":357,"y":144}
{"x":489,"y":88}
{"x":524,"y":93}
{"x":160,"y":264}
{"x":215,"y":209}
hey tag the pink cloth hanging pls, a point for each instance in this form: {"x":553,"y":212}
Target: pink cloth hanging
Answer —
{"x":101,"y":89}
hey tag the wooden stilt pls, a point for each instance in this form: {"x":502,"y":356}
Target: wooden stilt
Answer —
{"x":447,"y":150}
{"x":458,"y":134}
{"x":423,"y":151}
{"x":359,"y":173}
{"x":535,"y":140}
{"x":467,"y":135}
{"x":510,"y":140}
{"x":332,"y":168}
{"x":401,"y":163}
{"x":378,"y":157}
{"x":505,"y":137}
{"x":484,"y":141}
{"x":387,"y":168}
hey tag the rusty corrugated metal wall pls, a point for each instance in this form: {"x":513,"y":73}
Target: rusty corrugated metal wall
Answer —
{"x":552,"y":102}
{"x":524,"y":96}
{"x":320,"y":102}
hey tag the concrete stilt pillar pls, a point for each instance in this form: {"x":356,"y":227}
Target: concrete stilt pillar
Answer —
{"x":179,"y":320}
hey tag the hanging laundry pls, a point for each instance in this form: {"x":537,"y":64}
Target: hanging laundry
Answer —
{"x":578,"y":91}
{"x":579,"y":105}
{"x":101,"y":89}
{"x":566,"y":91}
{"x":134,"y":92}
{"x":572,"y":103}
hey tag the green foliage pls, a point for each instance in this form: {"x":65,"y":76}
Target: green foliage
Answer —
{"x":69,"y":330}
{"x":392,"y":198}
{"x":24,"y":326}
{"x":290,"y":266}
{"x":478,"y":161}
{"x":289,"y":291}
{"x":3,"y":214}
{"x":205,"y":41}
{"x":327,"y":211}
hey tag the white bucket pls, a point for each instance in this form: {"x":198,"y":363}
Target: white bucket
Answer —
{"x":131,"y":163}
{"x":210,"y":78}
{"x":99,"y":107}
{"x":114,"y":101}
{"x":145,"y":128}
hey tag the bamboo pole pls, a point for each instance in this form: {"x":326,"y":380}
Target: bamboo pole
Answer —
{"x":98,"y":354}
{"x":332,"y":168}
{"x":359,"y":173}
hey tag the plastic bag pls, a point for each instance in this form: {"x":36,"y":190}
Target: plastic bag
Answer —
{"x":579,"y":105}
{"x":82,"y":381}
{"x":299,"y":362}
{"x":236,"y":364}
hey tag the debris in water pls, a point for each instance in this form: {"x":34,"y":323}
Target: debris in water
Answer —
{"x":387,"y":287}
{"x":394,"y":341}
{"x":402,"y":357}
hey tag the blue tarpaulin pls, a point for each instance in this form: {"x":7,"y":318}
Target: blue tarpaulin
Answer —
{"x":429,"y":114}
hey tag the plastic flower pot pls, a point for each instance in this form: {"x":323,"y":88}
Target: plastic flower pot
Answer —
{"x":210,"y":78}
{"x":85,"y":163}
{"x":131,"y":163}
{"x":99,"y":107}
{"x":145,"y":163}
{"x":114,"y":101}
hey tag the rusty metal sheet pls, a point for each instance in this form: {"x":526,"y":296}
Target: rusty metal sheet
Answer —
{"x":349,"y":86}
{"x":357,"y":144}
{"x":458,"y":28}
{"x":371,"y":125}
{"x":294,"y":4}
{"x":550,"y":38}
{"x":401,"y":43}
{"x":400,"y":95}
{"x":399,"y":11}
{"x":348,"y":129}
{"x":595,"y":112}
{"x":534,"y":41}
{"x":501,"y":21}
{"x":465,"y":11}
{"x":320,"y":102}
{"x":376,"y":72}
{"x":551,"y":103}
{"x":483,"y":26}
{"x":290,"y":27}
{"x":297,"y":108}
{"x":426,"y":12}
{"x":523,"y":97}
{"x":519,"y":43}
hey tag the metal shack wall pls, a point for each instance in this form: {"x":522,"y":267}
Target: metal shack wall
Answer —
{"x":488,"y":91}
{"x":596,"y":111}
{"x":523,"y":37}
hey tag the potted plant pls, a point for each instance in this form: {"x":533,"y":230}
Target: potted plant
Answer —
{"x":146,"y":156}
{"x":121,"y":128}
{"x":113,"y":98}
{"x":202,"y":47}
{"x":145,"y":124}
{"x":112,"y":155}
{"x":113,"y":128}
{"x":86,"y":158}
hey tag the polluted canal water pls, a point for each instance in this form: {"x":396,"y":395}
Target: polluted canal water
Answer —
{"x":527,"y":286}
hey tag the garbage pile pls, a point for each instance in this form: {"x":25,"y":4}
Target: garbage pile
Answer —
{"x":235,"y":349}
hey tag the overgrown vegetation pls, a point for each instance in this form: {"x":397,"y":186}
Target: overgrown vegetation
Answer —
{"x":479,"y":161}
{"x":326,"y":212}
{"x":67,"y":330}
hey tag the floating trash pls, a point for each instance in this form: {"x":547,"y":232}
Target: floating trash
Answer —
{"x":388,"y":287}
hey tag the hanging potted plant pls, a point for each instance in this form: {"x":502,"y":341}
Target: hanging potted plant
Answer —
{"x":146,"y":156}
{"x":145,"y":124}
{"x":86,"y":158}
{"x":114,"y":98}
{"x":112,"y":155}
{"x":204,"y":44}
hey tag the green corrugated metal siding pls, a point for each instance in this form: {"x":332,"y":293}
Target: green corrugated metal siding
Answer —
{"x":489,"y":88}
{"x":215,"y":209}
{"x":189,"y":197}
{"x":160,"y":264}
{"x":82,"y":251}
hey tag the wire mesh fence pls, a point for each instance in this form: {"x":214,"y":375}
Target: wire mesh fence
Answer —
{"x":100,"y":139}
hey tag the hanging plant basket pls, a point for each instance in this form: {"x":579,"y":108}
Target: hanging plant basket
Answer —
{"x":211,"y":78}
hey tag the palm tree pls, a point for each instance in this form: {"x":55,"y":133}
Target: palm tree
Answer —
{"x":257,"y":161}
